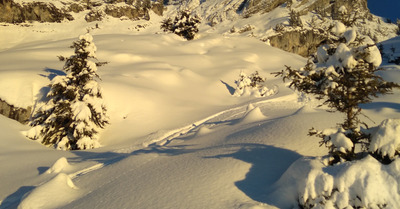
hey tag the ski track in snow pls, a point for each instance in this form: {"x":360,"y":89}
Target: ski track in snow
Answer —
{"x":86,"y":170}
{"x":231,"y":113}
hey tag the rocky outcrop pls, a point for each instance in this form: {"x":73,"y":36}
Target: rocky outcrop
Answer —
{"x":130,"y":12}
{"x":250,"y":7}
{"x":303,"y":43}
{"x":21,"y":115}
{"x":12,"y":12}
{"x":305,"y":40}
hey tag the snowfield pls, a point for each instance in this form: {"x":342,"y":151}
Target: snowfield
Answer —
{"x":178,"y":137}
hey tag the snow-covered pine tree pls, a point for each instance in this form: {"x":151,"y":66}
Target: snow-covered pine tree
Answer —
{"x":295,"y":19}
{"x":74,"y":111}
{"x":184,"y":24}
{"x":343,"y":77}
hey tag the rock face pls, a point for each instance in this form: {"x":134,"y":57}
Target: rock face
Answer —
{"x":12,"y":12}
{"x":130,"y":12}
{"x":250,"y":7}
{"x":303,"y":43}
{"x":19,"y":114}
{"x":36,"y":11}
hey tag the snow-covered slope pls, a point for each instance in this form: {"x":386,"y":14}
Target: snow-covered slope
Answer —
{"x":177,"y":138}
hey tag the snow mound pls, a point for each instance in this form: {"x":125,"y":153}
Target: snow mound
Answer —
{"x":203,"y":131}
{"x":360,"y":184}
{"x":60,"y":165}
{"x":57,"y":192}
{"x":253,"y":115}
{"x":250,"y":107}
{"x":386,"y":139}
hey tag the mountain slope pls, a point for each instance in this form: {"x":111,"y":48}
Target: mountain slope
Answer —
{"x":178,"y":138}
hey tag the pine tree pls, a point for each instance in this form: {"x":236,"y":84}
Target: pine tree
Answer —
{"x":343,"y":77}
{"x":295,"y":19}
{"x":74,"y":112}
{"x":184,"y":24}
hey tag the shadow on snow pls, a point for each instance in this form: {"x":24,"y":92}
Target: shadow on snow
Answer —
{"x":380,"y":105}
{"x":268,"y":163}
{"x":13,"y":200}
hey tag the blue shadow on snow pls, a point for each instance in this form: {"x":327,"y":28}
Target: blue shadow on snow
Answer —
{"x":381,"y":105}
{"x":268,"y":165}
{"x":13,"y":200}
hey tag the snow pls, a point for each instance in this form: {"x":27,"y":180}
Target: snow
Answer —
{"x":386,"y":139}
{"x":343,"y":57}
{"x":339,"y":139}
{"x":80,"y":111}
{"x":54,"y":193}
{"x":253,"y":115}
{"x":365,"y":183}
{"x":60,"y":165}
{"x":339,"y":28}
{"x":178,"y":138}
{"x":350,"y":35}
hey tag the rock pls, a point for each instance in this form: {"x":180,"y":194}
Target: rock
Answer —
{"x":94,"y":15}
{"x":158,"y":7}
{"x":19,"y":114}
{"x":42,"y":12}
{"x":131,"y":12}
{"x":76,"y":8}
{"x":303,"y":43}
{"x":250,"y":7}
{"x":12,"y":12}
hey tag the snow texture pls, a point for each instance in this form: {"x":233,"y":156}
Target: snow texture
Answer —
{"x":339,"y":139}
{"x":60,"y":165}
{"x":52,"y":194}
{"x":365,"y":183}
{"x":175,"y":138}
{"x":386,"y":138}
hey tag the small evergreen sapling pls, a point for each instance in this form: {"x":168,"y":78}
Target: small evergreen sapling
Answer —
{"x":74,"y":112}
{"x":295,"y":19}
{"x":344,"y":77}
{"x":184,"y":24}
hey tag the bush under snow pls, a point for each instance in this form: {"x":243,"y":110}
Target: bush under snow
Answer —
{"x":252,"y":84}
{"x":359,"y":184}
